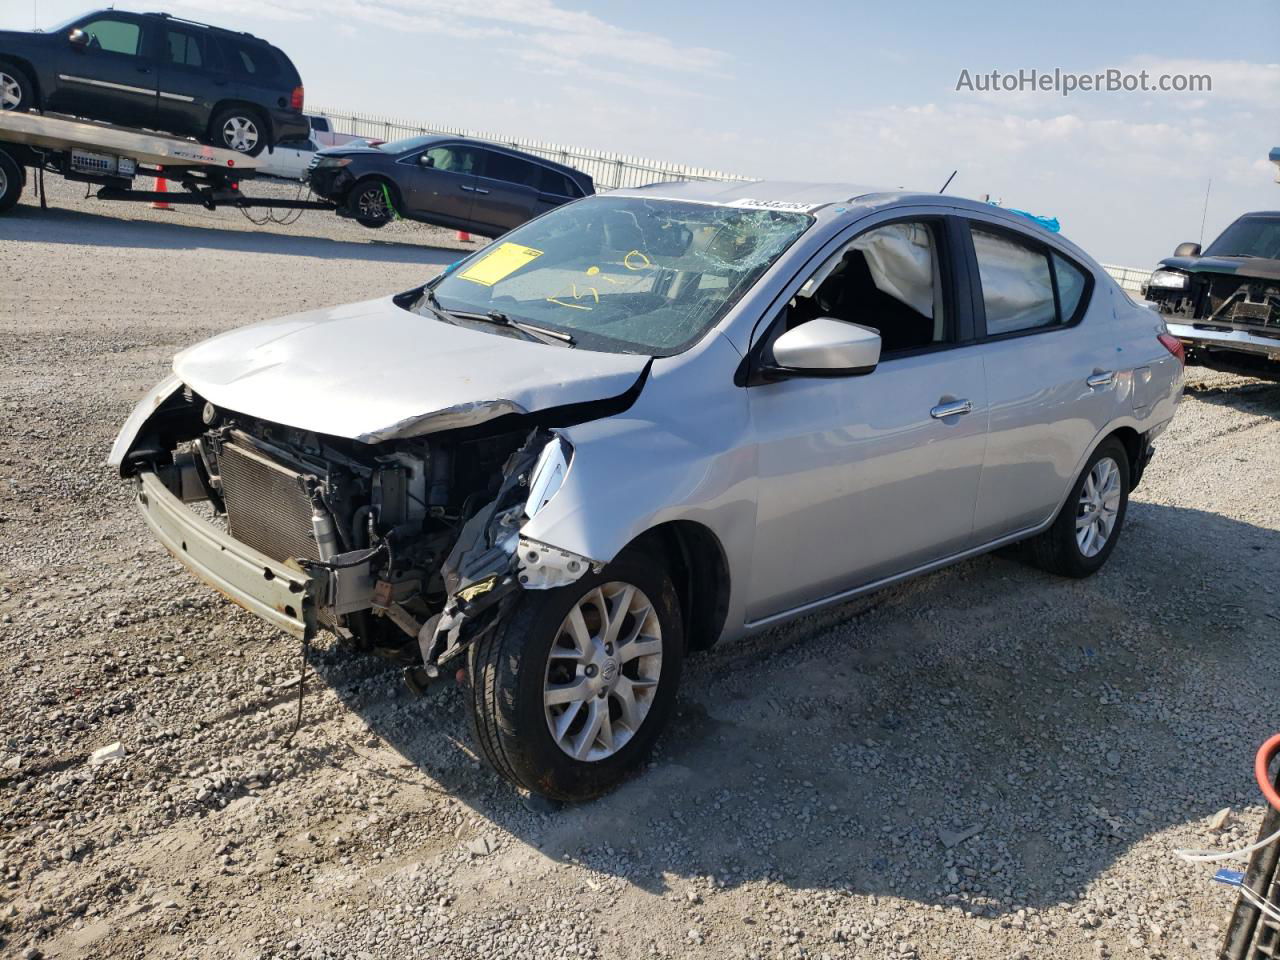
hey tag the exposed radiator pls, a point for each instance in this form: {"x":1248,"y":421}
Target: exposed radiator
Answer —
{"x":267,"y":507}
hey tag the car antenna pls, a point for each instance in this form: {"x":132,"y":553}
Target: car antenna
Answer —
{"x":949,"y":179}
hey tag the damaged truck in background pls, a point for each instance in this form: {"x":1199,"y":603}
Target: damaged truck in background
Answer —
{"x":641,"y":423}
{"x":1224,"y":302}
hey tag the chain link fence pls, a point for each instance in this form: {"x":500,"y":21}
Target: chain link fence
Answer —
{"x":610,"y":171}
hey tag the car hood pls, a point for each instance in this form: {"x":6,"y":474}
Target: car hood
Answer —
{"x":373,"y":371}
{"x":1253,"y":267}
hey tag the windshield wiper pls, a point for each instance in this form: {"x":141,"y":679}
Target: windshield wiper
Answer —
{"x":500,"y":319}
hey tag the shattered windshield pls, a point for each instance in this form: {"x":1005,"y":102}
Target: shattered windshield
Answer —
{"x":1250,"y":237}
{"x":624,"y":274}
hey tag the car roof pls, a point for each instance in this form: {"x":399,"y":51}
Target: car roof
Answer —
{"x":427,"y":139}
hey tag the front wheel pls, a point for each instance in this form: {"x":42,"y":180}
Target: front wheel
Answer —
{"x":1086,"y":531}
{"x":369,"y":203}
{"x":569,"y":694}
{"x":11,"y":182}
{"x":17,"y":92}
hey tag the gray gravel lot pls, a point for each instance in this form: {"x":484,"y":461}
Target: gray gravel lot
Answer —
{"x":1072,"y":733}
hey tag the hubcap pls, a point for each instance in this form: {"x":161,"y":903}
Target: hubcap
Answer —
{"x":372,"y":204}
{"x":240,"y":133}
{"x":10,"y":92}
{"x":1098,"y":508}
{"x":603,"y":671}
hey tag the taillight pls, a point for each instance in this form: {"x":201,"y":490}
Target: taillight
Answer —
{"x":1174,"y":346}
{"x":299,"y":94}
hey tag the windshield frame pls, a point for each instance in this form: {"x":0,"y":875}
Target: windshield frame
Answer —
{"x":1273,"y":222}
{"x":588,"y":339}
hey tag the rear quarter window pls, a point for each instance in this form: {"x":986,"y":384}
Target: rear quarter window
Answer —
{"x":250,"y":60}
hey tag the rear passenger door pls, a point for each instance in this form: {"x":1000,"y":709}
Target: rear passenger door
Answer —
{"x":190,"y":79}
{"x":506,"y":192}
{"x":1051,"y":371}
{"x":114,"y":77}
{"x":554,"y":189}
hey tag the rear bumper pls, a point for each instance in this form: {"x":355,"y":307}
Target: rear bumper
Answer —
{"x":1240,"y":341}
{"x":281,"y":593}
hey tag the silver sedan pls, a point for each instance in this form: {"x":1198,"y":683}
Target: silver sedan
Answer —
{"x":647,"y":422}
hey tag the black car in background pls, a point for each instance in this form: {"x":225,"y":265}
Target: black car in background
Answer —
{"x":155,"y":71}
{"x":1224,"y":302}
{"x":447,"y":181}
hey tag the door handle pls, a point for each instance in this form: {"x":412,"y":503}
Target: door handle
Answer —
{"x":1100,"y":378}
{"x":953,"y":408}
{"x":144,"y":69}
{"x":463,"y":186}
{"x":479,"y":190}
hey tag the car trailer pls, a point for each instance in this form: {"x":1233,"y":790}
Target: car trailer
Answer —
{"x":112,"y":157}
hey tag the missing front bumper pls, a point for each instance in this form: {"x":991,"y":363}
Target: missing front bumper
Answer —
{"x":281,"y":593}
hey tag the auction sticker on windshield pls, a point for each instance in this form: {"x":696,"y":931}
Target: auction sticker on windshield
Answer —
{"x":790,"y":206}
{"x":500,"y":263}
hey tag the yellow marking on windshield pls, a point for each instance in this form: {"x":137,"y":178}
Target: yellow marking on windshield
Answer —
{"x":573,"y":292}
{"x":499,"y":264}
{"x":645,"y":261}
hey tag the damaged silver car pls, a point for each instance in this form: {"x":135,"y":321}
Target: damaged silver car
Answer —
{"x":647,"y":421}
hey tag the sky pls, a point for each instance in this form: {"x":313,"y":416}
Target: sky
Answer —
{"x":854,"y":91}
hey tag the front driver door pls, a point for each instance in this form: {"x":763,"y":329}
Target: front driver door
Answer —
{"x":113,"y":78}
{"x":439,"y":184}
{"x":864,"y":477}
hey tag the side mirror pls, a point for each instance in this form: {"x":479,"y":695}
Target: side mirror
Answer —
{"x":825,"y":347}
{"x":78,"y":39}
{"x":1187,"y":250}
{"x":426,"y":161}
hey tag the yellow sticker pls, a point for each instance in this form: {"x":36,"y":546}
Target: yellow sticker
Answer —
{"x":500,"y":263}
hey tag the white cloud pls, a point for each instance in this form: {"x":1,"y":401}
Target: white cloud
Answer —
{"x":540,"y":32}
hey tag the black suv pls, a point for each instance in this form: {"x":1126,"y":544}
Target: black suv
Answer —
{"x":447,"y":181}
{"x":152,"y":70}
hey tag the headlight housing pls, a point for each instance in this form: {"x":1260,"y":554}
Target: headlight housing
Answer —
{"x":548,"y":474}
{"x":330,"y":162}
{"x":1169,"y":279}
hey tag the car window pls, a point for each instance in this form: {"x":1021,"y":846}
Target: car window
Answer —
{"x":248,"y":60}
{"x":1017,"y":283}
{"x":1248,"y":237}
{"x":501,"y":166}
{"x":185,"y":48}
{"x":1071,"y":286}
{"x":114,"y":36}
{"x":887,"y":278}
{"x":624,"y":274}
{"x":550,"y":181}
{"x":453,"y":159}
{"x":320,"y":124}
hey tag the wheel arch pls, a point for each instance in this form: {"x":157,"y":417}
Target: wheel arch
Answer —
{"x":27,"y":67}
{"x":1129,"y":438}
{"x":699,"y":569}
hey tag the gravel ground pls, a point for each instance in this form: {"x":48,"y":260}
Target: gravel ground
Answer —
{"x":988,"y":762}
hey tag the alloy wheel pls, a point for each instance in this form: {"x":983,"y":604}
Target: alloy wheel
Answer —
{"x":10,"y":92}
{"x":240,"y":133}
{"x":1098,"y":507}
{"x":372,"y":203}
{"x":603,"y":671}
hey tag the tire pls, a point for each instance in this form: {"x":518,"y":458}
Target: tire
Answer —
{"x":512,"y":668}
{"x":17,"y":92}
{"x":367,"y":202}
{"x":238,"y":128}
{"x":1059,"y":549}
{"x":11,"y":182}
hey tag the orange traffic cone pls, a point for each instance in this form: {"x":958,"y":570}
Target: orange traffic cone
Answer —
{"x":162,"y":186}
{"x":464,"y":237}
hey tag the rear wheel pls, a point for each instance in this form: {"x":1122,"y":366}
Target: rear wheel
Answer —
{"x":1086,"y":531}
{"x":569,"y":694}
{"x":17,"y":92}
{"x":11,"y":182}
{"x":240,"y":129}
{"x":370,"y":203}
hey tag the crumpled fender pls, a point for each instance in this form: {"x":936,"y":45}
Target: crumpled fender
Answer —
{"x":154,"y":398}
{"x":676,"y":454}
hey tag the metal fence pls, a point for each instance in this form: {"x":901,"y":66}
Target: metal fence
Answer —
{"x":1130,"y":278}
{"x":609,"y":170}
